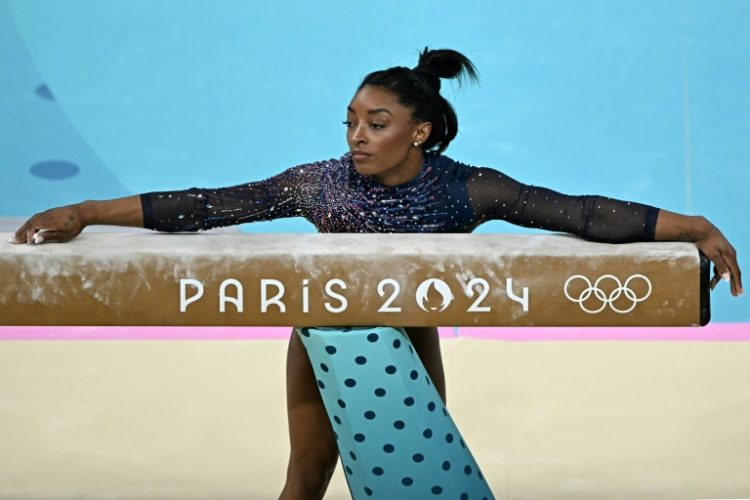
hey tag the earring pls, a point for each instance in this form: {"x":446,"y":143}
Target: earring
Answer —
{"x":416,"y":144}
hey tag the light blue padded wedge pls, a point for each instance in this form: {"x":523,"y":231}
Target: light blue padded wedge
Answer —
{"x":395,"y":438}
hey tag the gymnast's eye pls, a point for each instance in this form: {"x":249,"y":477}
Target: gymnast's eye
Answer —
{"x":347,"y":123}
{"x":377,"y":125}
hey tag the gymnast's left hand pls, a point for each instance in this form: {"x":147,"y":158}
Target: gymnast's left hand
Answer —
{"x":716,"y":247}
{"x":672,"y":226}
{"x":54,"y":225}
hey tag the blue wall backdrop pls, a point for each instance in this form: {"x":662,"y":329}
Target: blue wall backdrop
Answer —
{"x":647,"y":101}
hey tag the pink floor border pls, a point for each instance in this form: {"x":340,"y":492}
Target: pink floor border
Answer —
{"x":716,"y":332}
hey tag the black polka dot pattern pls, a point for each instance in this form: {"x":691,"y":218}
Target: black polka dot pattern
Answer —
{"x":393,"y":440}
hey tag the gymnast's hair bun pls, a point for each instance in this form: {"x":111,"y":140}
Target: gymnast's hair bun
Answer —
{"x":445,"y":63}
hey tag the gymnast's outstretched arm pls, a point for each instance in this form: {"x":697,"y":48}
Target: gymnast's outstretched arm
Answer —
{"x":288,"y":194}
{"x":291,"y":193}
{"x":62,"y":224}
{"x":598,"y":218}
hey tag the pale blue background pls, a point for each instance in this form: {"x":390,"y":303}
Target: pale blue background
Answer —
{"x":641,"y":100}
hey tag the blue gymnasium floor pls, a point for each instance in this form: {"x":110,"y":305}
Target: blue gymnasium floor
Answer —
{"x":639,"y":100}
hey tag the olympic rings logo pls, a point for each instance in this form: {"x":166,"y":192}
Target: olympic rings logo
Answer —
{"x":607,"y":300}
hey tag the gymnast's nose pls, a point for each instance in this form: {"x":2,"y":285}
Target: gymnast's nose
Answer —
{"x":359,"y":135}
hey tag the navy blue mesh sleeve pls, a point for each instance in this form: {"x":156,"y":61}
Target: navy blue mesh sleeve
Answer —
{"x":497,"y":196}
{"x":288,"y":194}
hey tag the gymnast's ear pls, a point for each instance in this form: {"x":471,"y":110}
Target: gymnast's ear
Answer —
{"x":422,"y":132}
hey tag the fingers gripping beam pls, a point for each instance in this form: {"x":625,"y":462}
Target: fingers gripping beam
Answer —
{"x":351,"y":279}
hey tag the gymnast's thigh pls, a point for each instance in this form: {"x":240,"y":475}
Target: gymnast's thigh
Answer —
{"x":310,"y":432}
{"x":426,"y":341}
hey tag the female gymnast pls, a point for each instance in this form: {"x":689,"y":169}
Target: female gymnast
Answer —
{"x":394,"y":178}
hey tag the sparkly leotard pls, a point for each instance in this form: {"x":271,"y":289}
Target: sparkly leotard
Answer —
{"x":446,"y":196}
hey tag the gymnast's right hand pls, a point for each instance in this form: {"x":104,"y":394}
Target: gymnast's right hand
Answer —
{"x":59,"y":225}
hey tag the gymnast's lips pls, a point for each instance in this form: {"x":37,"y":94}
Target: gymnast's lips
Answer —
{"x":360,"y":155}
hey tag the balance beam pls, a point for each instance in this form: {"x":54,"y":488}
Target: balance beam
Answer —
{"x":203,"y":279}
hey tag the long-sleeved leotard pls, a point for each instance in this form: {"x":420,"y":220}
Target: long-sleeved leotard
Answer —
{"x":446,"y":196}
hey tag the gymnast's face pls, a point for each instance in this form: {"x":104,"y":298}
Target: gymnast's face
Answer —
{"x":381,"y":134}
